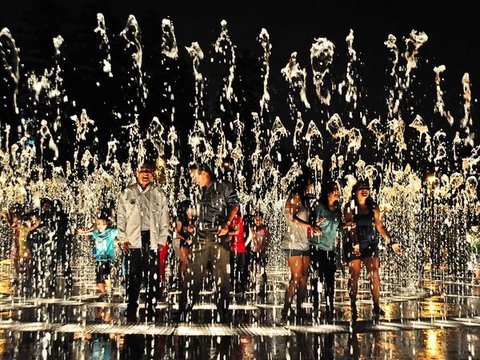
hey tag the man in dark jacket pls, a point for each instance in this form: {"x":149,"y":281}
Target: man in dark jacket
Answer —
{"x":216,"y":206}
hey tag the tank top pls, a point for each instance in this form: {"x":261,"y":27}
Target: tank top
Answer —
{"x":365,"y":230}
{"x":296,"y":236}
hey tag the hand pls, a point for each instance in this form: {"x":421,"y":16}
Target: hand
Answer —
{"x":222,"y":230}
{"x":356,"y":249}
{"x":320,"y":220}
{"x":316,"y":230}
{"x":397,"y":248}
{"x":350,"y":225}
{"x":126,"y":246}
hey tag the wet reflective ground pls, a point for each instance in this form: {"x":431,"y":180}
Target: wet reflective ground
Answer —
{"x":431,"y":319}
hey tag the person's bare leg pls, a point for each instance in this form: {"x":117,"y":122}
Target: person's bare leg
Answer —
{"x":101,"y":287}
{"x":354,"y":268}
{"x":302,"y":285}
{"x":295,"y":265}
{"x":372,"y":265}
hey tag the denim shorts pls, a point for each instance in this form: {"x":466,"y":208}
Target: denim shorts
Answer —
{"x":296,"y":252}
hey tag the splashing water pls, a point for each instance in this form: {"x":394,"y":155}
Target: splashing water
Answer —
{"x":252,"y":143}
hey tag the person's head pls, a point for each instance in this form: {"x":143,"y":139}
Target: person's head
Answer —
{"x":185,"y":208}
{"x":204,"y":175}
{"x":361,"y":192}
{"x":47,"y":208}
{"x":330,"y":192}
{"x":304,"y":184}
{"x":16,"y":211}
{"x":103,"y":220}
{"x":361,"y":187}
{"x":194,"y":173}
{"x":145,"y":173}
{"x":32,"y":218}
{"x":258,"y":218}
{"x":46,"y":204}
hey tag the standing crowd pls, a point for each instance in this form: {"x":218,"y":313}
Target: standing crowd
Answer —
{"x":215,"y":245}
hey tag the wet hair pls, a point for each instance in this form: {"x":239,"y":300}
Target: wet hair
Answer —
{"x":301,"y":184}
{"x":327,"y":188}
{"x":258,"y":213}
{"x":205,"y":167}
{"x":363,"y":184}
{"x":183,"y":206}
{"x":105,"y":214}
{"x":148,"y":165}
{"x":16,"y":209}
{"x":45,"y":201}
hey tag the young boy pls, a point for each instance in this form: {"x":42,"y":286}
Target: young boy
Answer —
{"x":104,"y":249}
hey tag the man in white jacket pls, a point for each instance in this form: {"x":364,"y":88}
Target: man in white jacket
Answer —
{"x":143,"y":222}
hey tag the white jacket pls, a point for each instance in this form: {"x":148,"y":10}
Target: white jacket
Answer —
{"x":129,"y":221}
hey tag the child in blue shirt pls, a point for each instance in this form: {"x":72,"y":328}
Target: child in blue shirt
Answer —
{"x":105,"y":238}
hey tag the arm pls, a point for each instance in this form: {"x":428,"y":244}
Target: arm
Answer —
{"x":88,"y":231}
{"x":234,"y":231}
{"x":7,"y":217}
{"x":266,"y":240}
{"x":231,"y":214}
{"x":233,"y":202}
{"x":292,"y":206}
{"x":122,"y":222}
{"x":351,"y":230}
{"x":249,"y":237}
{"x":178,"y":230}
{"x":164,"y":221}
{"x":383,"y":232}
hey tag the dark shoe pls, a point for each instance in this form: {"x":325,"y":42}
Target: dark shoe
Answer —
{"x":377,"y":310}
{"x":329,"y":316}
{"x":103,"y":297}
{"x":353,"y":308}
{"x":285,"y":315}
{"x":223,"y":317}
{"x":131,"y":316}
{"x":178,"y":316}
{"x":301,"y":316}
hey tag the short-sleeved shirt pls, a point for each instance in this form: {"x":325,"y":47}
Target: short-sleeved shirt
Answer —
{"x":215,"y":202}
{"x":329,"y":227}
{"x":260,"y":238}
{"x":105,"y":244}
{"x":237,"y":242}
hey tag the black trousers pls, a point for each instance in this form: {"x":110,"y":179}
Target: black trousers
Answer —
{"x":323,"y":267}
{"x":207,"y":246}
{"x":142,"y":267}
{"x":238,"y":275}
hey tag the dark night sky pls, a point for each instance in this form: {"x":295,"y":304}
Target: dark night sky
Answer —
{"x":452,"y":31}
{"x":292,"y":27}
